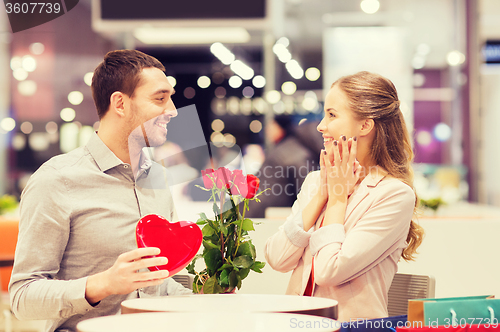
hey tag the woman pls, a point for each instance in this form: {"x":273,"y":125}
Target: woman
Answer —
{"x":352,"y":220}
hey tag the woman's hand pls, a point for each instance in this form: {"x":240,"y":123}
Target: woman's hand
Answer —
{"x":342,"y":170}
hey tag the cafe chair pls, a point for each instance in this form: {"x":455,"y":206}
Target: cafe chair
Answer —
{"x":408,"y":286}
{"x":185,"y":280}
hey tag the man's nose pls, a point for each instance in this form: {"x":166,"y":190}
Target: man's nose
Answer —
{"x":171,"y":109}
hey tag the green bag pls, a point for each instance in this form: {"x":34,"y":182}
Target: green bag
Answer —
{"x":455,"y":311}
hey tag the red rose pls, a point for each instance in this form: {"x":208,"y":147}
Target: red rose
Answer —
{"x":207,"y":176}
{"x":246,"y":186}
{"x":223,"y":178}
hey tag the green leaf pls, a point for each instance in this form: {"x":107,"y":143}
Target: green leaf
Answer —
{"x":257,"y":266}
{"x":216,"y":209}
{"x":190,"y":267}
{"x":244,"y":273}
{"x":223,"y":228}
{"x":248,"y":249}
{"x":213,"y":260}
{"x":207,"y":230}
{"x":212,"y":286}
{"x":201,"y":222}
{"x":230,"y":245}
{"x":224,"y":278}
{"x":225,"y":266}
{"x":234,"y":279}
{"x":209,"y":245}
{"x":248,"y":225}
{"x":243,"y":261}
{"x":245,"y":224}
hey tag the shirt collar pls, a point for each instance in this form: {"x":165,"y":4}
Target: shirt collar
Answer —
{"x":145,"y":162}
{"x":373,"y":179}
{"x":102,"y":155}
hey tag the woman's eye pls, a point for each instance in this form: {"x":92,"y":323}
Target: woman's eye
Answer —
{"x":331,"y":115}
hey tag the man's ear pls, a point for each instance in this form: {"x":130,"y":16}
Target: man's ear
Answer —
{"x":117,"y":103}
{"x":367,"y":127}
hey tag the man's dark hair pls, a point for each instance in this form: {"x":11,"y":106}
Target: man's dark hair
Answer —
{"x":119,"y":71}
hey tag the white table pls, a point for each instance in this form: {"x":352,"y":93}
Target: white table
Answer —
{"x":235,"y":303}
{"x":208,"y":322}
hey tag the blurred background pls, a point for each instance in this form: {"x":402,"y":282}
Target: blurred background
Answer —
{"x":257,"y":72}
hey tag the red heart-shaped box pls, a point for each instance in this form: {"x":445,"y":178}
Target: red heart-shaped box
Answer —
{"x":178,"y":241}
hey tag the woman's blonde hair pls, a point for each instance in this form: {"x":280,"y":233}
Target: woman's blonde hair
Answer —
{"x":372,"y":96}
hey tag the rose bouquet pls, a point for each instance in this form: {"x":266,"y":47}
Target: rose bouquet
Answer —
{"x":228,"y":252}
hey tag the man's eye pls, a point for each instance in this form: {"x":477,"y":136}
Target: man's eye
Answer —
{"x":161,"y":99}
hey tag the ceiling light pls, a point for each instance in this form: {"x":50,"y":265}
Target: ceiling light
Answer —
{"x":203,"y":82}
{"x":282,"y":53}
{"x":8,"y":124}
{"x":27,"y":88}
{"x":20,"y":74}
{"x":442,"y":132}
{"x":229,"y":140}
{"x":283,"y":41}
{"x":51,"y":127}
{"x":15,"y":62}
{"x":172,"y":81}
{"x":68,"y":114}
{"x":222,"y":53}
{"x":75,"y":97}
{"x":294,"y":69}
{"x":255,"y":126}
{"x":69,"y":137}
{"x":18,"y":142}
{"x":37,"y":48}
{"x":248,"y":92}
{"x":273,"y":96}
{"x":455,"y":58}
{"x":207,"y":35}
{"x":241,"y":69}
{"x":370,"y":6}
{"x":424,"y":138}
{"x":87,"y":78}
{"x":259,"y":81}
{"x":289,"y":88}
{"x":418,"y":62}
{"x":235,"y":82}
{"x":218,"y":125}
{"x":220,"y":92}
{"x":29,"y":63}
{"x":313,"y":74}
{"x":26,"y":127}
{"x":189,"y":92}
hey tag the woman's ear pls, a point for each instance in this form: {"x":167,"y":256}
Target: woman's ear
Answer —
{"x":367,"y":127}
{"x":117,"y":103}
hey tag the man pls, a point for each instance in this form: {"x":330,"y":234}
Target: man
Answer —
{"x":77,"y":256}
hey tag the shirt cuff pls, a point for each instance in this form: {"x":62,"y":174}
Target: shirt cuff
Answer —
{"x":334,"y":233}
{"x":294,"y":230}
{"x":76,"y":298}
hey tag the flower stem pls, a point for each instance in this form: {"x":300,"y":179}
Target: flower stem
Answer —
{"x":241,"y":226}
{"x":221,"y":223}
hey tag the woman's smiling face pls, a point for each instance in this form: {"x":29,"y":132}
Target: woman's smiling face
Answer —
{"x":338,"y":119}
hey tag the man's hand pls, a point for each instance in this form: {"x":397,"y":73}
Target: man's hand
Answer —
{"x":123,"y":277}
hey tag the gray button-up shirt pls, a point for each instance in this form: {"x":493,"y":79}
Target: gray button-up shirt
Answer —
{"x":78,"y":214}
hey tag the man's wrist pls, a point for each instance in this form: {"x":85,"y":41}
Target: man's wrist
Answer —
{"x":95,"y":289}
